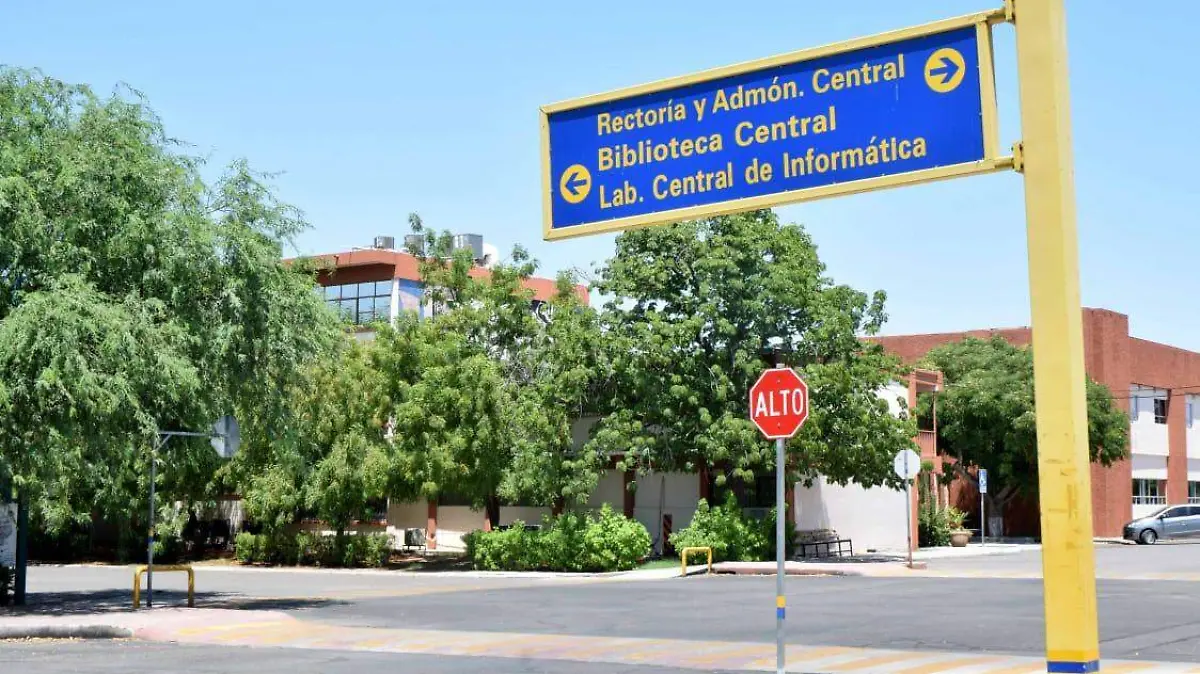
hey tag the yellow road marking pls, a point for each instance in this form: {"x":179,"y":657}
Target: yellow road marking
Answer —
{"x":805,"y":654}
{"x":226,"y":628}
{"x":945,"y":665}
{"x":723,"y":655}
{"x":1126,"y":667}
{"x":649,"y":647}
{"x":872,"y":662}
{"x":1024,"y":668}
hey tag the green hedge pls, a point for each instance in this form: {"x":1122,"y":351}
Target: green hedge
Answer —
{"x":307,"y":549}
{"x":732,"y":534}
{"x":607,"y":541}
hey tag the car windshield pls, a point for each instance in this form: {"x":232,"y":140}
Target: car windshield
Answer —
{"x":1158,"y":512}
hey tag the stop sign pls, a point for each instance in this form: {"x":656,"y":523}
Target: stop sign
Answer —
{"x":779,"y":403}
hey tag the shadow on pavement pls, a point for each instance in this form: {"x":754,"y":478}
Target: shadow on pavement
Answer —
{"x":118,"y":601}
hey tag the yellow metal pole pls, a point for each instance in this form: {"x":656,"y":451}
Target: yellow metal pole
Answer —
{"x":1068,"y":557}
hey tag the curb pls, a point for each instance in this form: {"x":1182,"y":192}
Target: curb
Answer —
{"x":755,"y":569}
{"x":64,"y":632}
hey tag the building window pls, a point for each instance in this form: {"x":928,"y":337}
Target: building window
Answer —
{"x":361,"y":303}
{"x":1148,"y":492}
{"x":1194,"y":492}
{"x":1191,"y":412}
{"x":1160,"y":410}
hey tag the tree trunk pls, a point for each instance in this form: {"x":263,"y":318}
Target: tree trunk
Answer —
{"x":493,"y":512}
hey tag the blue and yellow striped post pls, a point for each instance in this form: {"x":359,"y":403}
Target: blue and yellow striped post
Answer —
{"x":1068,"y":557}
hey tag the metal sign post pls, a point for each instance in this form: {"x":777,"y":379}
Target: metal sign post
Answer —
{"x":225,"y":437}
{"x":780,"y":551}
{"x":779,"y":407}
{"x":907,"y":465}
{"x":983,"y":505}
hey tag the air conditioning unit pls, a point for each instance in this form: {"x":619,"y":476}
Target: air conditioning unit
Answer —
{"x":471,"y":242}
{"x":414,"y":243}
{"x":385,"y":242}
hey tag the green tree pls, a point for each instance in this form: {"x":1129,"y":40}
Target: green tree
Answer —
{"x":570,"y":379}
{"x":453,"y":413}
{"x":547,"y":374}
{"x":694,"y":305}
{"x":151,"y":300}
{"x":986,"y":416}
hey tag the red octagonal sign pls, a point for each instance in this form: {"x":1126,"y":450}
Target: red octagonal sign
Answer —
{"x":779,"y":403}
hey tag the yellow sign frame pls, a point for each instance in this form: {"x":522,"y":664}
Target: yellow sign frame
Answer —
{"x":991,"y":162}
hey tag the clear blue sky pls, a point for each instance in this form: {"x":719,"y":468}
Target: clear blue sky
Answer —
{"x":375,"y":109}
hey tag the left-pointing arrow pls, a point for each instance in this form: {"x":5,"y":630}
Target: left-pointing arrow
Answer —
{"x":575,"y":182}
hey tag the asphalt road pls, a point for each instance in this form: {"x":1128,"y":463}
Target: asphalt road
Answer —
{"x":967,"y":612}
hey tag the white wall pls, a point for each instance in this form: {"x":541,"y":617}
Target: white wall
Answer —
{"x":872,"y":518}
{"x":405,"y":515}
{"x":527,"y":514}
{"x":611,"y":490}
{"x":1140,"y":511}
{"x":453,"y":522}
{"x":895,"y":394}
{"x":1149,"y":466}
{"x":679,"y":499}
{"x":1146,"y":436}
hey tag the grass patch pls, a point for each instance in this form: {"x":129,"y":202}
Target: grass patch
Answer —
{"x":661,"y":563}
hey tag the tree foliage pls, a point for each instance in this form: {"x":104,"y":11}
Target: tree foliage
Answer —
{"x":134,"y":297}
{"x":694,"y":305}
{"x":986,"y":417}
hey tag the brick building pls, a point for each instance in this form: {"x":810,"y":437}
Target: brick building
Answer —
{"x":1159,"y":385}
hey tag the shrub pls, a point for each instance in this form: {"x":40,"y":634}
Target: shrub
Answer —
{"x":732,"y":534}
{"x":933,"y":527}
{"x":376,"y":550}
{"x":614,"y":542}
{"x":607,"y":541}
{"x":248,"y":548}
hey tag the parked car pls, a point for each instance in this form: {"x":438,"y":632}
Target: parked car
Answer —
{"x":1173,"y":521}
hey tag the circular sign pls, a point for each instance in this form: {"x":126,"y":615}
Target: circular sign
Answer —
{"x":907,"y":464}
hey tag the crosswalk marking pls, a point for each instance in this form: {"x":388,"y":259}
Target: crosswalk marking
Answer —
{"x":680,"y":653}
{"x":854,"y":665}
{"x":946,"y":665}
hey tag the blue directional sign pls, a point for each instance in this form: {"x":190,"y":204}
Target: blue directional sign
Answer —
{"x":983,"y":480}
{"x":900,"y":108}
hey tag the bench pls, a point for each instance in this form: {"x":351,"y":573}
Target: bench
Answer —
{"x":822,"y":543}
{"x":838,"y":547}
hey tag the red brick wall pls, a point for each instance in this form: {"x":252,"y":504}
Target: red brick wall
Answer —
{"x":1106,"y":359}
{"x":1163,"y":366}
{"x":1118,"y":361}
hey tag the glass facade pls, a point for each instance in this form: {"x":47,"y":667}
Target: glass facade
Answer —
{"x":361,"y":303}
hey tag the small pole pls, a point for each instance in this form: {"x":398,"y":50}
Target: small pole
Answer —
{"x":780,"y":551}
{"x":162,"y":440}
{"x":983,"y":519}
{"x":22,"y":548}
{"x":908,"y":514}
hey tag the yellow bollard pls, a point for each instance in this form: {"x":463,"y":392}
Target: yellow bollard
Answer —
{"x":683,"y":555}
{"x":141,"y":570}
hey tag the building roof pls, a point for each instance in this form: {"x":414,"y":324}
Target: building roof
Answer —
{"x":373,"y":264}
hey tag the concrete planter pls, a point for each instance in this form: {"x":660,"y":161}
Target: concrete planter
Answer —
{"x":959,"y":538}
